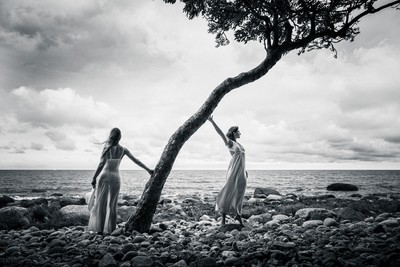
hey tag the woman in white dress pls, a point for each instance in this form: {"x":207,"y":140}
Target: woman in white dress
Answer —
{"x":103,"y":216}
{"x":230,"y":198}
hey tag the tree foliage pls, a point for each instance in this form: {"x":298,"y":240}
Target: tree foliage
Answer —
{"x":303,"y":24}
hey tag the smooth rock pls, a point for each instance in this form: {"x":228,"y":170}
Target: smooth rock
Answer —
{"x":13,"y":217}
{"x":75,"y":212}
{"x":281,"y":217}
{"x":350,"y":214}
{"x":328,"y":222}
{"x":141,"y":261}
{"x":391,"y":222}
{"x":204,"y":262}
{"x":264,"y":192}
{"x":312,"y":224}
{"x":314,"y":214}
{"x":341,"y":187}
{"x":108,"y":261}
{"x":273,"y":224}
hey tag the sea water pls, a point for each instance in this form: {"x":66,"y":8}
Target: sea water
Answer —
{"x":45,"y":183}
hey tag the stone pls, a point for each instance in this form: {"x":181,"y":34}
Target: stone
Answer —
{"x":274,"y":197}
{"x":329,"y":222}
{"x":13,"y":218}
{"x":312,"y":224}
{"x":349,"y":214}
{"x":141,"y":261}
{"x":378,"y":229}
{"x":230,"y":227}
{"x":74,"y":212}
{"x":181,"y":263}
{"x":341,"y":187}
{"x":264,"y":192}
{"x":314,"y":214}
{"x":281,"y":217}
{"x":233,"y":261}
{"x":4,"y":200}
{"x":204,"y":262}
{"x":107,"y":261}
{"x":124,"y":212}
{"x":273,"y":224}
{"x":130,"y":255}
{"x":391,"y":222}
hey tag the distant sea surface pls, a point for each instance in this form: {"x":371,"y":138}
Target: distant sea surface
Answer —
{"x":21,"y":184}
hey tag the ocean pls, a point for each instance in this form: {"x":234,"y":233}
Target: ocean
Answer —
{"x":21,"y":184}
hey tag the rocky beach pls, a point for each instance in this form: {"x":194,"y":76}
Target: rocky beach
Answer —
{"x":279,"y":230}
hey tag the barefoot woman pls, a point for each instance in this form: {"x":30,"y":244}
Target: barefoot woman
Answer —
{"x":103,"y":216}
{"x":230,"y":199}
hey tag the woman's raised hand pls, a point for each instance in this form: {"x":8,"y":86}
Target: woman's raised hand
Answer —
{"x":210,"y":118}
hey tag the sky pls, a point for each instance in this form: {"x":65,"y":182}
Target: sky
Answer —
{"x":72,"y":70}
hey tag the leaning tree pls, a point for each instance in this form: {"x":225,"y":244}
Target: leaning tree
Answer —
{"x":280,"y":26}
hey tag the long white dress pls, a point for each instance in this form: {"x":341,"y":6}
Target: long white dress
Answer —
{"x":230,"y":198}
{"x":103,"y":216}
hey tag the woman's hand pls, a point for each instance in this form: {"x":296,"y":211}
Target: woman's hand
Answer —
{"x":150,"y":172}
{"x":210,"y":118}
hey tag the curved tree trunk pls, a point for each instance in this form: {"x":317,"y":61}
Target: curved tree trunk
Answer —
{"x":141,"y":220}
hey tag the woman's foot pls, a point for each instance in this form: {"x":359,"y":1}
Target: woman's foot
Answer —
{"x":239,"y":218}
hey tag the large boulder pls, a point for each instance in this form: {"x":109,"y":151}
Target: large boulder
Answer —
{"x":349,"y":214}
{"x":341,"y":187}
{"x":75,"y":214}
{"x":13,"y":218}
{"x":4,"y":200}
{"x":314,"y":214}
{"x":264,"y":192}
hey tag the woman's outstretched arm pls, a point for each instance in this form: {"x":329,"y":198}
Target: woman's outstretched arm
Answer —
{"x":137,"y":161}
{"x":227,"y":141}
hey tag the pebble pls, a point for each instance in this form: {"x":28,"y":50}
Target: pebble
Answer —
{"x":371,"y":241}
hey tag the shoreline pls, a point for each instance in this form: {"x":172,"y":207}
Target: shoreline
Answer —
{"x":280,"y":230}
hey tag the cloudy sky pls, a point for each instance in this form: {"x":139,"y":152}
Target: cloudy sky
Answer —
{"x":72,"y":70}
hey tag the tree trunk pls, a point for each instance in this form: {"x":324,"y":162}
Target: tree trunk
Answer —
{"x":141,"y":220}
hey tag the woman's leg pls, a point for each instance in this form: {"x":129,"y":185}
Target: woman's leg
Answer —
{"x":223,"y":218}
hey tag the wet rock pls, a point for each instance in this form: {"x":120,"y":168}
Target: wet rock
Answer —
{"x":281,"y":217}
{"x":273,"y":224}
{"x":274,"y":197}
{"x":141,"y":261}
{"x":13,"y":218}
{"x":66,"y":201}
{"x":312,"y":224}
{"x":75,"y":212}
{"x":378,"y":229}
{"x":123,"y":212}
{"x":230,"y":227}
{"x":234,"y":261}
{"x":264,"y":192}
{"x":107,"y":261}
{"x":4,"y":200}
{"x":349,"y":214}
{"x":341,"y":187}
{"x":391,"y":222}
{"x":204,"y":262}
{"x":314,"y":214}
{"x":328,"y":222}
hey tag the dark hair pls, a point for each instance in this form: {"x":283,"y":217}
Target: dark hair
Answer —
{"x":231,"y":131}
{"x":112,"y":140}
{"x":114,"y":137}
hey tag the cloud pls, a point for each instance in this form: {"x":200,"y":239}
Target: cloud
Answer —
{"x":36,"y":146}
{"x":58,"y":107}
{"x":60,"y":140}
